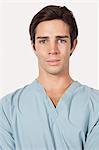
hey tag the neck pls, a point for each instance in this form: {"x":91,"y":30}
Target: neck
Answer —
{"x":55,"y":82}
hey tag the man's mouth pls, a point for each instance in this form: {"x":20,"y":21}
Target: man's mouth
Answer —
{"x":53,"y":62}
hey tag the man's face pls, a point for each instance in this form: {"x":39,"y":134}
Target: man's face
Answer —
{"x":53,"y":46}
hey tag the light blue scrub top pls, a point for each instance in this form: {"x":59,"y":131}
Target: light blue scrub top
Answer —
{"x":29,"y":120}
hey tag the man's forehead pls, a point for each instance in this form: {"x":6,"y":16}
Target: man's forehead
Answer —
{"x":52,"y":27}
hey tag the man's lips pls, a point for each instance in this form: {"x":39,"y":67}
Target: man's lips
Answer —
{"x":53,"y":62}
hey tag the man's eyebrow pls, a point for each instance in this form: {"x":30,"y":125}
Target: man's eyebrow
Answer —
{"x":42,"y":37}
{"x":58,"y":36}
{"x":64,"y":36}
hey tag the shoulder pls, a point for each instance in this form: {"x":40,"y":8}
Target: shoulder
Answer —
{"x":92,"y":133}
{"x":87,"y":97}
{"x":92,"y":101}
{"x":12,"y":99}
{"x":10,"y":104}
{"x":85,"y":94}
{"x":92,"y":94}
{"x":86,"y":105}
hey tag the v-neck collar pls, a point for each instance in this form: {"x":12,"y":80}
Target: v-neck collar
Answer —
{"x":63,"y":102}
{"x":68,"y":92}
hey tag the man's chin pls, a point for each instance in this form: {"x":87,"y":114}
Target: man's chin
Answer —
{"x":54,"y":71}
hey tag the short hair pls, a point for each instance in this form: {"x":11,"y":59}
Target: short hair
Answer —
{"x":52,"y":12}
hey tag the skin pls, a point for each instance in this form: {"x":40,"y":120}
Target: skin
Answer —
{"x":52,"y":48}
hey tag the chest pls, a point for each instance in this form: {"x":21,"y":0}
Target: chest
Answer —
{"x":35,"y":120}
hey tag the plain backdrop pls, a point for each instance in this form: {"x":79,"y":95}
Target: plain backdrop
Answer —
{"x":18,"y":63}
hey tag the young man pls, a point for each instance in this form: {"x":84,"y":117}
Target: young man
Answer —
{"x":54,"y":112}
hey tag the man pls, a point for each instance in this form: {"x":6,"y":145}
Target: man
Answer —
{"x":54,"y":112}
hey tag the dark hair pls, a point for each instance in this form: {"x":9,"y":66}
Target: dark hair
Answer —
{"x":52,"y":12}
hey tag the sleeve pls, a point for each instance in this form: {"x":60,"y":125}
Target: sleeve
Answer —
{"x":92,"y":139}
{"x":6,"y":135}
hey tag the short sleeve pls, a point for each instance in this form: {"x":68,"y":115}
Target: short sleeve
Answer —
{"x":92,"y":139}
{"x":6,"y":135}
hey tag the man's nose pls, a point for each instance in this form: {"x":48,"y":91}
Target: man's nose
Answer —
{"x":53,"y":48}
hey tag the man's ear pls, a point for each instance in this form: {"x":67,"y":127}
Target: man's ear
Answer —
{"x":33,"y":47}
{"x":74,"y":46}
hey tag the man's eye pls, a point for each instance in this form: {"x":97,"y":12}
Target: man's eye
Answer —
{"x":42,"y":41}
{"x":63,"y":41}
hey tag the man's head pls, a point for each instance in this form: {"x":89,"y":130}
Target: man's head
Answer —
{"x":53,"y":33}
{"x":52,"y":12}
